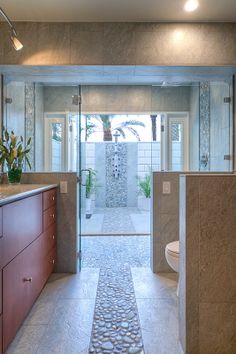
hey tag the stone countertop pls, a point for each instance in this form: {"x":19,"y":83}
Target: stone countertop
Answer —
{"x":10,"y":193}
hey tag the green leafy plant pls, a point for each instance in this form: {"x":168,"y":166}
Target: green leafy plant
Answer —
{"x":91,"y":183}
{"x":145,"y":186}
{"x":12,"y":151}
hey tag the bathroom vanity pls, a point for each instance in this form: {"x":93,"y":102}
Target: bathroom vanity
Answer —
{"x":27,"y":251}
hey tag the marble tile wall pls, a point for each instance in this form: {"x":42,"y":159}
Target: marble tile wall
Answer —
{"x":121,"y":44}
{"x":66,"y":217}
{"x":207,"y":263}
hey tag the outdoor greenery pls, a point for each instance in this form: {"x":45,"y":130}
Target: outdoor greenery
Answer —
{"x":145,"y":186}
{"x":12,"y":151}
{"x":105,"y":122}
{"x":91,"y":183}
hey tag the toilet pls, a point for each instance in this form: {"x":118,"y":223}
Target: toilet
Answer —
{"x":172,"y":257}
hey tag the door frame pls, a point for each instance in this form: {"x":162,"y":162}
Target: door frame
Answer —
{"x":57,"y":117}
{"x":166,"y":118}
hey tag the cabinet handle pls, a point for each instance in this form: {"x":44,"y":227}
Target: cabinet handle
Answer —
{"x":53,"y":198}
{"x":53,"y":237}
{"x":28,"y":279}
{"x":53,"y":261}
{"x":52,"y":215}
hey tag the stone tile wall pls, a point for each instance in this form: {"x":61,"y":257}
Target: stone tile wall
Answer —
{"x":121,"y":44}
{"x":207,"y":263}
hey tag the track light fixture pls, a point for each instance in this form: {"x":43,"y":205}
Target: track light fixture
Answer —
{"x":13,"y":34}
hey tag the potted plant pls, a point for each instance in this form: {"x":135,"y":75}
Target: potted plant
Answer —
{"x":13,"y":154}
{"x":145,"y":191}
{"x":91,"y":180}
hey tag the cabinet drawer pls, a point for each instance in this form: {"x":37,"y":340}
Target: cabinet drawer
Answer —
{"x":49,"y":217}
{"x":23,"y":280}
{"x":0,"y":334}
{"x":0,"y":291}
{"x":22,"y":224}
{"x":50,"y":238}
{"x":50,"y":262}
{"x":49,"y":198}
{"x":0,"y":222}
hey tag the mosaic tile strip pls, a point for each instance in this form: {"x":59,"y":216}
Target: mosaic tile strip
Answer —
{"x":116,"y":327}
{"x":116,"y":187}
{"x":204,"y":126}
{"x":30,"y":121}
{"x":117,"y":220}
{"x":98,"y":251}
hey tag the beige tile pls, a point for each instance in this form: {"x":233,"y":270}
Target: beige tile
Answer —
{"x":159,"y":316}
{"x":217,"y":240}
{"x":217,"y":330}
{"x":119,"y":44}
{"x":70,"y":327}
{"x":148,"y":285}
{"x":86,"y":46}
{"x":80,"y":286}
{"x":27,"y":340}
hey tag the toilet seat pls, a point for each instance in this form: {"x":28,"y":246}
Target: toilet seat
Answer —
{"x":173,"y":248}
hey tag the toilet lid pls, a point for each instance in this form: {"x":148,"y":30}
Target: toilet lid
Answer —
{"x":173,"y":247}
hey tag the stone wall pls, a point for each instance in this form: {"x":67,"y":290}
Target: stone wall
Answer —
{"x":207,"y":288}
{"x":200,"y":44}
{"x":140,"y":158}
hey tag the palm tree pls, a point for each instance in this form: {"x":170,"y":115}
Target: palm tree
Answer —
{"x":105,"y":122}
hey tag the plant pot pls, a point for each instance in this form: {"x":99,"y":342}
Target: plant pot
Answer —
{"x":144,"y":203}
{"x":14,"y":175}
{"x":88,"y":206}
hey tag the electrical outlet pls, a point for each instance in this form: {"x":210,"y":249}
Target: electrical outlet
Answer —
{"x":63,"y":187}
{"x":166,"y":187}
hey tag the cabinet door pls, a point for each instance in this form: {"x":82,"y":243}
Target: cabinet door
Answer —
{"x":1,"y":334}
{"x":0,"y":291}
{"x":23,"y":280}
{"x":0,"y":222}
{"x":22,"y":224}
{"x":1,"y":240}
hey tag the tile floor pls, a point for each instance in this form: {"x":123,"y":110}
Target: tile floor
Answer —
{"x":61,"y":320}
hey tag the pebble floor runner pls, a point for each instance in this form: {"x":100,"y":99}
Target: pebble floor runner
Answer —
{"x":116,"y":327}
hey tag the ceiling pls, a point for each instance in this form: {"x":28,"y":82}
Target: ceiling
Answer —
{"x":116,"y":75}
{"x":118,"y":10}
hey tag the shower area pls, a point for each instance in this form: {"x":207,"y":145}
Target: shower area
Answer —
{"x":172,"y":126}
{"x":119,"y":172}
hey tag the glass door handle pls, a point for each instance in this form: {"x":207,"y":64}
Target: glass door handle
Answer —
{"x":80,"y":180}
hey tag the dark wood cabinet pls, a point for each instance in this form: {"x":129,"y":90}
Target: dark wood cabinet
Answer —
{"x":28,"y":263}
{"x":0,"y":291}
{"x":0,"y":222}
{"x":22,"y":224}
{"x":49,"y":217}
{"x":49,"y":198}
{"x":1,"y":350}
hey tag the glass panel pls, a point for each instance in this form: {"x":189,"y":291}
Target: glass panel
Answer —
{"x":177,"y":149}
{"x":56,"y":147}
{"x":220,"y":127}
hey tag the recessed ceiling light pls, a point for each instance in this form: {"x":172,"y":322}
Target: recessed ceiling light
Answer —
{"x":191,"y":5}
